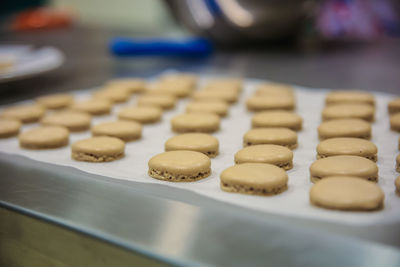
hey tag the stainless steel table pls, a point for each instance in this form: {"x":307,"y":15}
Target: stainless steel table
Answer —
{"x":120,"y":223}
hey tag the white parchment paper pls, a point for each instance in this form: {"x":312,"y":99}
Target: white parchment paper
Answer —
{"x":293,"y":202}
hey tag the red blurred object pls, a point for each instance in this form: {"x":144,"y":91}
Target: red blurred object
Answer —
{"x":42,"y":18}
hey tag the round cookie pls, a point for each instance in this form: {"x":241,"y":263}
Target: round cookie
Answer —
{"x":254,"y":179}
{"x":132,"y":85}
{"x":274,"y":89}
{"x":346,"y":111}
{"x":98,"y":149}
{"x":74,"y":121}
{"x":285,"y":119}
{"x":217,"y":107}
{"x":397,"y":185}
{"x":229,"y":97}
{"x":347,"y":146}
{"x":55,"y":101}
{"x":276,"y":136}
{"x":180,"y":166}
{"x":113,"y":96}
{"x":145,"y":114}
{"x":273,"y":154}
{"x":344,"y":165}
{"x":124,"y":130}
{"x":200,"y":142}
{"x":9,"y":127}
{"x":173,"y":87}
{"x":160,"y":101}
{"x":347,"y":193}
{"x":44,"y":137}
{"x":398,"y":163}
{"x":344,"y":128}
{"x":394,"y":106}
{"x":234,"y":85}
{"x":263,"y":103}
{"x":24,"y":113}
{"x":395,"y":122}
{"x":93,"y":106}
{"x":188,"y":79}
{"x":349,"y":97}
{"x":195,"y":122}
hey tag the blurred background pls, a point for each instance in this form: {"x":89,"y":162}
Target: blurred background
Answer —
{"x":326,"y":43}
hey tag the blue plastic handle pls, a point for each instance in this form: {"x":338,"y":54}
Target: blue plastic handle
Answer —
{"x":189,"y":47}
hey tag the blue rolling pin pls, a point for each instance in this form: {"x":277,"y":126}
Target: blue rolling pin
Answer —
{"x":188,"y":47}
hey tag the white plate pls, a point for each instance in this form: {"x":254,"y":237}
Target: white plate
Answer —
{"x":27,"y":62}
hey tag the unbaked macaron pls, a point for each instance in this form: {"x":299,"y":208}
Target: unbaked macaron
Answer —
{"x":395,"y":122}
{"x":24,"y":113}
{"x":161,"y":101}
{"x":347,"y":146}
{"x":276,"y":136}
{"x":93,"y":106}
{"x":273,"y":154}
{"x":347,"y":193}
{"x":398,"y":163}
{"x":273,"y":102}
{"x":200,"y":142}
{"x":98,"y":149}
{"x":229,"y":97}
{"x":285,"y":119}
{"x":195,"y":122}
{"x":344,"y":165}
{"x":112,"y":95}
{"x":9,"y":127}
{"x":144,"y":114}
{"x":44,"y":137}
{"x":75,"y":121}
{"x":274,"y":89}
{"x":180,"y":166}
{"x":55,"y":101}
{"x":346,"y":111}
{"x":254,"y":179}
{"x":212,"y":106}
{"x":124,"y":130}
{"x":394,"y":106}
{"x":349,"y":97}
{"x":133,"y":85}
{"x":344,"y":128}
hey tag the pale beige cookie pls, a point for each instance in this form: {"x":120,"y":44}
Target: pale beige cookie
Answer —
{"x":24,"y":113}
{"x":276,"y":136}
{"x":113,"y":96}
{"x":348,"y":111}
{"x":397,"y":185}
{"x":132,"y":85}
{"x":398,"y":163}
{"x":344,"y":165}
{"x":145,"y":114}
{"x":44,"y":137}
{"x":55,"y":101}
{"x":93,"y":106}
{"x":200,"y":142}
{"x":223,"y":95}
{"x":75,"y":121}
{"x":217,"y":107}
{"x":9,"y":127}
{"x":347,"y":146}
{"x":344,"y":128}
{"x":349,"y":97}
{"x":124,"y":130}
{"x":285,"y":119}
{"x":180,"y":166}
{"x":347,"y":193}
{"x":188,"y":79}
{"x":395,"y":122}
{"x":175,"y":88}
{"x":266,"y":103}
{"x":160,"y":101}
{"x":274,"y":89}
{"x":227,"y":84}
{"x":195,"y":122}
{"x":98,"y":149}
{"x":394,"y":106}
{"x":254,"y":179}
{"x":273,"y":154}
